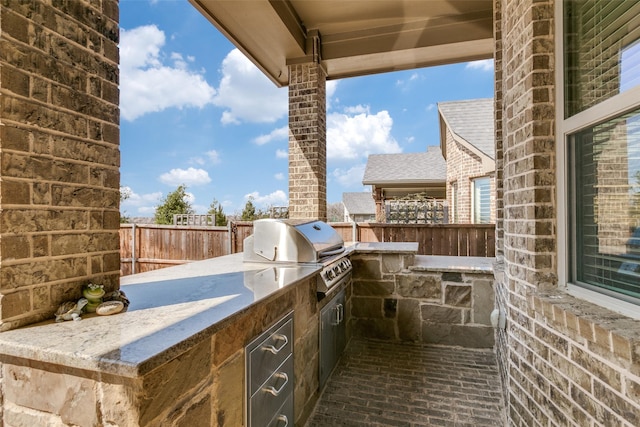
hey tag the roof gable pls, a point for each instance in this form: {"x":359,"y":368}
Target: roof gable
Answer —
{"x":471,"y":120}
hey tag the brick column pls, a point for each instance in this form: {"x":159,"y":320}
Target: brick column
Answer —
{"x":59,"y":169}
{"x":307,"y":142}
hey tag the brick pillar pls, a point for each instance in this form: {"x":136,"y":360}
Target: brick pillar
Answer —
{"x":59,"y":148}
{"x":526,"y":220}
{"x":307,"y":142}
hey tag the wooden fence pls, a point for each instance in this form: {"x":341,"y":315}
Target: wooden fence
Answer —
{"x":149,"y":247}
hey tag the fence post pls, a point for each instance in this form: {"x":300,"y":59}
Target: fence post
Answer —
{"x":354,"y":231}
{"x":229,"y":241}
{"x":133,"y":248}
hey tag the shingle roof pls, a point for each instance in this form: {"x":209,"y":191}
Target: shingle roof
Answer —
{"x":359,"y":203}
{"x":473,"y":121}
{"x":406,"y":168}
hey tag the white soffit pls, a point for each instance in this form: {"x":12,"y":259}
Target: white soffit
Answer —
{"x":357,"y":37}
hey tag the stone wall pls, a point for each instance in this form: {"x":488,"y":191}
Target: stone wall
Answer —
{"x":59,"y":138}
{"x":307,"y":142}
{"x":564,"y":362}
{"x":203,"y":386}
{"x":462,"y":167}
{"x":395,"y":297}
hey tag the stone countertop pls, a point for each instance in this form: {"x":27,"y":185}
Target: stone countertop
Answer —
{"x":458,"y":264}
{"x":170,"y":310}
{"x":391,"y":247}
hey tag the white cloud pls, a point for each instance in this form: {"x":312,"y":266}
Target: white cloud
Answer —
{"x":483,"y":65}
{"x":280,"y":134}
{"x":330,"y":88}
{"x":353,"y":137}
{"x":247,"y":94}
{"x":430,"y":107}
{"x":211,"y":156}
{"x":147,"y":85}
{"x":279,"y":176}
{"x":142,"y":203}
{"x":214,"y":156}
{"x":277,"y":198}
{"x":349,"y":177}
{"x":358,"y":109}
{"x":282,"y":154}
{"x":187,"y":177}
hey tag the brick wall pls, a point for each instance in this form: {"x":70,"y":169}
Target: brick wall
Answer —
{"x":462,"y":167}
{"x":564,"y":361}
{"x":307,"y":142}
{"x":59,"y":137}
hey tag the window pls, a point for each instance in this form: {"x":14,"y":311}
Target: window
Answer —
{"x":455,"y":218}
{"x":481,"y":202}
{"x":602,"y":126}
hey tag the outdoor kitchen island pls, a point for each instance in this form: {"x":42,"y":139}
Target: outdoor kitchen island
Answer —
{"x":176,"y":357}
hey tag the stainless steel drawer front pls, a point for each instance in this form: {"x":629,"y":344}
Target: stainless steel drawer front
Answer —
{"x":269,"y":376}
{"x":283,"y":416}
{"x":269,"y":354}
{"x":272,"y":394}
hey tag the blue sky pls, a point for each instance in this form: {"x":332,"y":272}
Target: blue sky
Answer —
{"x":195,"y":111}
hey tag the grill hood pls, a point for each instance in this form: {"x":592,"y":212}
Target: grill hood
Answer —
{"x":288,"y":240}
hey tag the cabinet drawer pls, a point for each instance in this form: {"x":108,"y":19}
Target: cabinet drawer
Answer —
{"x":269,"y":353}
{"x":272,"y":395}
{"x":284,"y":417}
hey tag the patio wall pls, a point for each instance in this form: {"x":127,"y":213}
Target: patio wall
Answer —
{"x":59,"y":138}
{"x":564,"y":361}
{"x":436,"y":300}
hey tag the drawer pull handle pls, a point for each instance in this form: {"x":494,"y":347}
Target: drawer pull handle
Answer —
{"x":273,"y":390}
{"x":282,"y":417}
{"x":277,"y":350}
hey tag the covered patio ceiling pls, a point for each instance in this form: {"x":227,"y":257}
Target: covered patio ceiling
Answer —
{"x":354,"y":37}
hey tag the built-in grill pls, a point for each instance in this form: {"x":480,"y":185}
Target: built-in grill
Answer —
{"x":300,"y":241}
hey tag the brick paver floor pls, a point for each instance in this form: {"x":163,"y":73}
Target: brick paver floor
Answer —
{"x":380,"y":383}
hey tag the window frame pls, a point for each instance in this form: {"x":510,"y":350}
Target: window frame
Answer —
{"x":565,"y":127}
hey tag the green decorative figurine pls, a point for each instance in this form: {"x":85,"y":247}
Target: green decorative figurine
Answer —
{"x":93,"y":293}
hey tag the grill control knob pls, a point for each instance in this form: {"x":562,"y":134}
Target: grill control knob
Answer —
{"x":336,"y":270}
{"x":329,"y":274}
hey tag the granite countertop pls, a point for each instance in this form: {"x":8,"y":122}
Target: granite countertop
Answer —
{"x":458,"y":264}
{"x":170,"y":309}
{"x":393,"y":247}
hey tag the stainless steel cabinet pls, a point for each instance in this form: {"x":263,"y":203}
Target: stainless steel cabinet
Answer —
{"x":269,"y":376}
{"x":333,"y":336}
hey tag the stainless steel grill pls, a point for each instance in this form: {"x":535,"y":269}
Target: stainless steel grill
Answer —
{"x":300,"y":241}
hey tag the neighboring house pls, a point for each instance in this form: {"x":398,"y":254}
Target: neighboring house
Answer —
{"x":393,"y":176}
{"x":359,"y":207}
{"x":467,"y":141}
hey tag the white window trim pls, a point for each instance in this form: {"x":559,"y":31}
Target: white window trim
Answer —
{"x":610,"y":108}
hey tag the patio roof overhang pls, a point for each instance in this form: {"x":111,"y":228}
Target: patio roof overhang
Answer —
{"x":354,"y":37}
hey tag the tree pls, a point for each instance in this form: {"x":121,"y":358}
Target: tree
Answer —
{"x":176,"y":202}
{"x":125,"y":193}
{"x":249,"y":211}
{"x":335,"y":212}
{"x":216,"y":209}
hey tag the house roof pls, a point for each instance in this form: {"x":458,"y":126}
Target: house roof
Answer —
{"x":406,"y":168}
{"x":360,"y":203}
{"x":471,"y":120}
{"x":353,"y":38}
